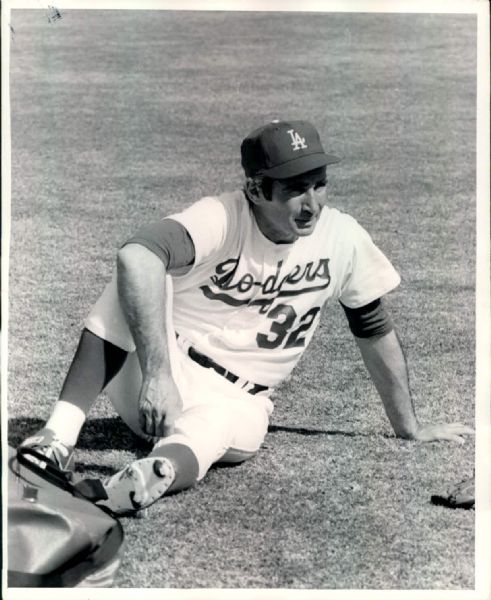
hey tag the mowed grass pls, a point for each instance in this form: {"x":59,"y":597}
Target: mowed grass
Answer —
{"x":121,"y":117}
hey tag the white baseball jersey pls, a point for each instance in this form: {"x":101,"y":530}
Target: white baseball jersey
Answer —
{"x":252,"y":305}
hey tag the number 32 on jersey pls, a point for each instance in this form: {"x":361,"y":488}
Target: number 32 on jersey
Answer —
{"x":281,"y":333}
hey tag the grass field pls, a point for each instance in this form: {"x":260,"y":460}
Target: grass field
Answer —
{"x":122,"y":117}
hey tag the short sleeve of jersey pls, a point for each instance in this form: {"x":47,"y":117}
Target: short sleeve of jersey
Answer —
{"x":209,"y":222}
{"x":370,"y":275}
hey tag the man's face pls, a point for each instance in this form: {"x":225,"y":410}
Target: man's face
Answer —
{"x":294,"y":208}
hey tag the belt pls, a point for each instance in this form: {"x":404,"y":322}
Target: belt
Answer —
{"x":208,"y":363}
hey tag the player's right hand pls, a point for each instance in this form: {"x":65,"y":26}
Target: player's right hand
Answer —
{"x":453,"y":432}
{"x":160,"y":404}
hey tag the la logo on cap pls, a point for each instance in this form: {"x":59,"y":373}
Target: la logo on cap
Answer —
{"x":298,"y":142}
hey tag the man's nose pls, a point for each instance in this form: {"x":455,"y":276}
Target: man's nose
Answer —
{"x":309,"y":200}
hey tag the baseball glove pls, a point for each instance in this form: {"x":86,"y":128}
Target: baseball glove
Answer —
{"x":461,"y":495}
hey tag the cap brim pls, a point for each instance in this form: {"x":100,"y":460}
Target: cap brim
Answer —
{"x":300,"y":165}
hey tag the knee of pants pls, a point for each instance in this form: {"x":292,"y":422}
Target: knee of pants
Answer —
{"x":222,"y":432}
{"x":206,"y":432}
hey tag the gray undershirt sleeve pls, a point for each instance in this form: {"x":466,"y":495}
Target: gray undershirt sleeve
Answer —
{"x":371,"y":320}
{"x":169,"y":240}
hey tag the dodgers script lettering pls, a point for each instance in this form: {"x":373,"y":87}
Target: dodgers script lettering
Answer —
{"x":230,"y":288}
{"x":309,"y":272}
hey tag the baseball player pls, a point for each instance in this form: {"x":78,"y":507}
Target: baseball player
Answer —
{"x":211,"y":308}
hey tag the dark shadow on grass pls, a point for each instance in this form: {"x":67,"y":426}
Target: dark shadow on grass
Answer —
{"x":93,"y":470}
{"x":310,"y":432}
{"x":97,"y":434}
{"x":19,"y":428}
{"x":111,"y":433}
{"x":83,"y":470}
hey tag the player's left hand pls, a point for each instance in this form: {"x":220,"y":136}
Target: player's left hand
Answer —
{"x":452,"y":432}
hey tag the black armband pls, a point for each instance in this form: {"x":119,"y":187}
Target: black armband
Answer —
{"x":169,"y":240}
{"x":371,"y":320}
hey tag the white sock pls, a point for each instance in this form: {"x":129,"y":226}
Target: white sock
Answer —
{"x":66,"y":421}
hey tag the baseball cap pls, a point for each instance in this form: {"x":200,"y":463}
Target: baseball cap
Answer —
{"x":283,"y":149}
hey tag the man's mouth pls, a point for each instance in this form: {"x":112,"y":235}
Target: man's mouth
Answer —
{"x":304,"y":220}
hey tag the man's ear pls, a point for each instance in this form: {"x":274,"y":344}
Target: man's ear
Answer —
{"x":254,"y":190}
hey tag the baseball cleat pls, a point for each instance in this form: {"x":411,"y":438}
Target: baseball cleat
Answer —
{"x":138,"y":485}
{"x":46,"y":443}
{"x":460,"y":495}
